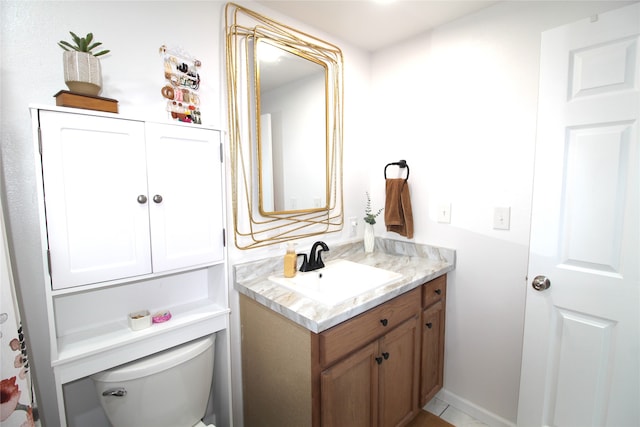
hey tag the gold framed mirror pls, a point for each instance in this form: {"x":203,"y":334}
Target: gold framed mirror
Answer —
{"x":293,"y":143}
{"x":285,"y":91}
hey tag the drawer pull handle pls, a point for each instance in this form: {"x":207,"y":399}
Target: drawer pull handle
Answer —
{"x":429,"y":325}
{"x":157,"y":198}
{"x":384,"y":322}
{"x":379,"y":360}
{"x":142,"y":199}
{"x":385,"y":355}
{"x":438,"y":291}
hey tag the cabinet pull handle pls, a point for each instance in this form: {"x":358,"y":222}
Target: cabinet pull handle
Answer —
{"x":379,"y":360}
{"x":438,"y":291}
{"x":429,"y":325}
{"x":142,"y":199}
{"x":384,"y":322}
{"x":157,"y":198}
{"x":385,"y":355}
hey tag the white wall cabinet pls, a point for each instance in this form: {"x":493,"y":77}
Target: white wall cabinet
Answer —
{"x":132,"y":218}
{"x":126,"y":198}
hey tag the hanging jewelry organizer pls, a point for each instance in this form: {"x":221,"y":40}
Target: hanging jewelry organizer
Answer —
{"x":182,"y":81}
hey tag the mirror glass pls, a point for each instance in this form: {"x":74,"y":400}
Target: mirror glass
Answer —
{"x":285,"y":130}
{"x":292,"y":137}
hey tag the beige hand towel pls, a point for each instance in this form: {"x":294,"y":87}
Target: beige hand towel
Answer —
{"x":398,"y":215}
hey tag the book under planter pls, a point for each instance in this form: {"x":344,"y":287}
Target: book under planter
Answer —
{"x":64,"y":98}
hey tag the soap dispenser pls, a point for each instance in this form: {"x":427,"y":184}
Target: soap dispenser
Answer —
{"x":290,"y":261}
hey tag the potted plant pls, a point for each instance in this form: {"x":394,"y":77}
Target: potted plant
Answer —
{"x":82,"y":72}
{"x":370,"y":219}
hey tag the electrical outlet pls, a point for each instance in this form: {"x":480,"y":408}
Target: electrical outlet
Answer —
{"x":444,"y":213}
{"x":353,"y":226}
{"x":501,"y":218}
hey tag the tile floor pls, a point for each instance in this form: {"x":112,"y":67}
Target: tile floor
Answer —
{"x":452,"y":415}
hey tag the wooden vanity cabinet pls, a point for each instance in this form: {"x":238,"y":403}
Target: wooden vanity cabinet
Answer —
{"x":433,"y":318}
{"x":387,"y":366}
{"x":362,"y":372}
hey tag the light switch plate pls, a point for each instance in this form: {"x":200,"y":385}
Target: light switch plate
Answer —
{"x":444,"y":213}
{"x":501,"y":218}
{"x":353,"y":226}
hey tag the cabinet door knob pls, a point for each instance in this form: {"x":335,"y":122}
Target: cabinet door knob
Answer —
{"x":439,"y":291}
{"x":157,"y":198}
{"x":379,"y":360}
{"x":429,"y":325}
{"x":142,"y":199}
{"x":385,"y":355}
{"x":384,"y":322}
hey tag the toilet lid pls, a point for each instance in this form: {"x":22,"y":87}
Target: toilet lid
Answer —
{"x":155,"y":363}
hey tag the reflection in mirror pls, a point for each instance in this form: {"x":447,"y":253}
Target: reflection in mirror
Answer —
{"x":292,"y":141}
{"x":285,"y":131}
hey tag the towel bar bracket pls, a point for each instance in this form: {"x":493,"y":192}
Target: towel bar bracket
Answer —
{"x":402,"y":164}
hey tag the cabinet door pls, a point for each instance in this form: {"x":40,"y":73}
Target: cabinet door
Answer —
{"x":185,"y":196}
{"x":432,"y":351}
{"x":349,"y":390}
{"x":94,"y":171}
{"x":399,"y":374}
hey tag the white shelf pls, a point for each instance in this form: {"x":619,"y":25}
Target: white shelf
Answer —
{"x":85,"y":353}
{"x":117,"y":334}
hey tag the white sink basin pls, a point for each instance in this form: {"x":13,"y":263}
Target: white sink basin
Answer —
{"x":338,"y":281}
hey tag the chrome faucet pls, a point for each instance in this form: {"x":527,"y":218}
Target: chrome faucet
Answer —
{"x":315,"y":257}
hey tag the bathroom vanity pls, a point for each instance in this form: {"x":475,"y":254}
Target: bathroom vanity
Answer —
{"x":373,"y":359}
{"x":132,"y":218}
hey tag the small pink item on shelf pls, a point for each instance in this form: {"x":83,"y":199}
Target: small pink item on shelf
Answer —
{"x":161,"y":316}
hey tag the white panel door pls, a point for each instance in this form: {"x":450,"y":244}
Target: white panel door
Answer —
{"x":185,"y":196}
{"x":581,"y":355}
{"x":94,"y":171}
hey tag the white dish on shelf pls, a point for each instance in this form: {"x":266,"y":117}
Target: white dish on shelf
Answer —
{"x":139,"y":320}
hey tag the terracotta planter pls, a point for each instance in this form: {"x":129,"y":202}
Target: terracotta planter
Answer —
{"x":82,"y":73}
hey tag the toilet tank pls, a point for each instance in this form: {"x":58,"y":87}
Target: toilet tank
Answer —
{"x":166,"y":389}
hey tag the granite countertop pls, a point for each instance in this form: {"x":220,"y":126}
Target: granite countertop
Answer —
{"x":417,"y":263}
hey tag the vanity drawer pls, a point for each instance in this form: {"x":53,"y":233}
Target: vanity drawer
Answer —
{"x":434,"y":290}
{"x":354,"y":333}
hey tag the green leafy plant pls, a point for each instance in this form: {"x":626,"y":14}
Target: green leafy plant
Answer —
{"x":82,"y":44}
{"x":369,"y":216}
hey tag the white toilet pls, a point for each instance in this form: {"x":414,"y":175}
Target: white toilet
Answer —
{"x":167,"y":389}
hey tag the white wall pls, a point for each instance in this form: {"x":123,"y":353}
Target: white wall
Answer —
{"x":467,"y":127}
{"x":457,"y":103}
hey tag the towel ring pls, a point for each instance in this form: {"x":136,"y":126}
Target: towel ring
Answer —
{"x":402,"y":164}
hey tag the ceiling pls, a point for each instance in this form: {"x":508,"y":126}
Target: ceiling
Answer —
{"x":373,"y":25}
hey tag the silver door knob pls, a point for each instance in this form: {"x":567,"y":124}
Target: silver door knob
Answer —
{"x":540,"y":283}
{"x":142,"y":199}
{"x":157,"y":198}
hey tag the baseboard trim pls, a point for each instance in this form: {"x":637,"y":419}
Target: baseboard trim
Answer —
{"x":474,"y":410}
